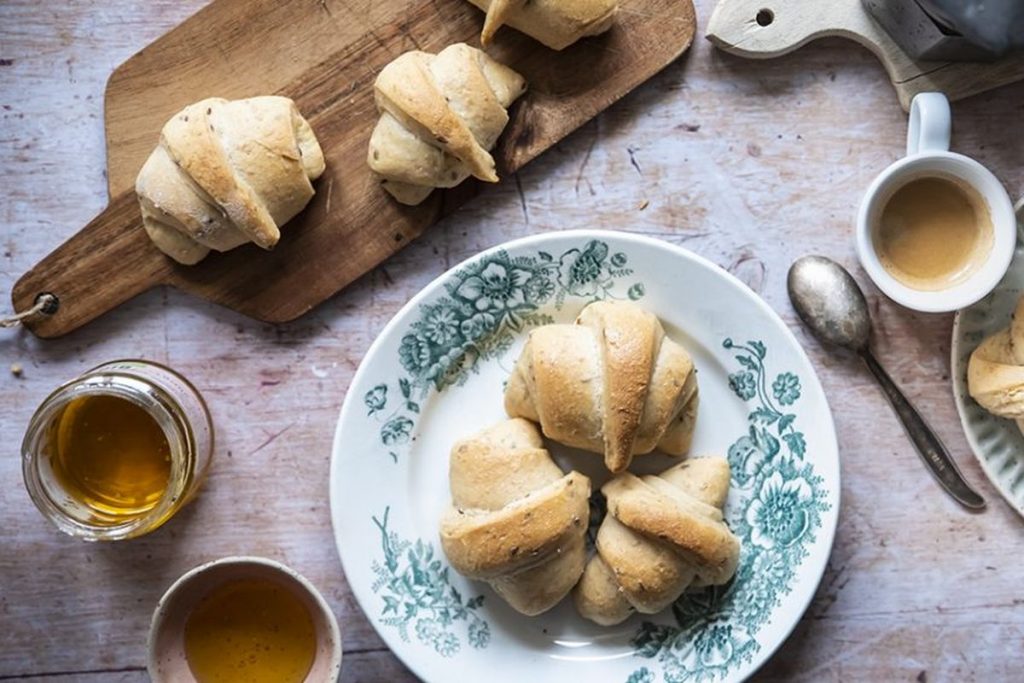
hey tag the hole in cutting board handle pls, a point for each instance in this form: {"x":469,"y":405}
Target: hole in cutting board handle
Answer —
{"x":765,"y":17}
{"x":50,"y":302}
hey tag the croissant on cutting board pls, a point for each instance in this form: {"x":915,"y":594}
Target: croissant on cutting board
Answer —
{"x":613,"y":383}
{"x":662,"y":535}
{"x":516,"y":520}
{"x":555,"y":23}
{"x":995,"y":371}
{"x":440,"y":117}
{"x":226,"y":173}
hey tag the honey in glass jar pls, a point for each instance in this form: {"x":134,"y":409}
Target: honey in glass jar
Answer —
{"x":113,"y":454}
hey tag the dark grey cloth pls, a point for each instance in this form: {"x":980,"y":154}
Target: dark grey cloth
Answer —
{"x":995,"y":25}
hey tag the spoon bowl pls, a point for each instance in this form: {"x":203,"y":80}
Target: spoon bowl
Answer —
{"x":828,"y":300}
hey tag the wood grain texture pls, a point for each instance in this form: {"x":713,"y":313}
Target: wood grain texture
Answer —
{"x":734,"y":27}
{"x":325,"y":55}
{"x":748,"y":163}
{"x":82,"y":273}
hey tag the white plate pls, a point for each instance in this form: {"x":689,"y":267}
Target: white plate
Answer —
{"x":997,"y":443}
{"x":436,"y":374}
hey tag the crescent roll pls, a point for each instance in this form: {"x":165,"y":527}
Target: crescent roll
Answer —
{"x":995,"y":371}
{"x":613,"y":383}
{"x":226,"y":173}
{"x":555,"y":23}
{"x":662,"y":534}
{"x":516,"y":520}
{"x":440,"y":117}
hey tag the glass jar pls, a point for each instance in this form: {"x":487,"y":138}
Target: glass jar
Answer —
{"x":134,"y":404}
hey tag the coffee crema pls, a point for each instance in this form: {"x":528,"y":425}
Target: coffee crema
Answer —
{"x":933,"y":233}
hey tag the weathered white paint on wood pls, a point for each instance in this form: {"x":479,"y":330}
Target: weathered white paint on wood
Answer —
{"x":747,"y":163}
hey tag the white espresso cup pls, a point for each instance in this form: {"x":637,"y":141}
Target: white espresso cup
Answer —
{"x":928,"y":156}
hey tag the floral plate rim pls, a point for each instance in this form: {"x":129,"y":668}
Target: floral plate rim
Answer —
{"x":811,"y":571}
{"x":987,"y":435}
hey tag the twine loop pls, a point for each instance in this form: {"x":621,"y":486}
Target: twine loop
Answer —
{"x":46,"y":304}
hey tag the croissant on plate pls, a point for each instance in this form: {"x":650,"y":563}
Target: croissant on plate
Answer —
{"x":440,"y":117}
{"x":613,"y":383}
{"x":662,"y":535}
{"x":555,"y":23}
{"x":516,"y":520}
{"x":226,"y":173}
{"x":995,"y":371}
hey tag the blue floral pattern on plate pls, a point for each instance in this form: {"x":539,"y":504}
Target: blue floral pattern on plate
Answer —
{"x":780,"y":506}
{"x":487,"y":303}
{"x":416,"y":592}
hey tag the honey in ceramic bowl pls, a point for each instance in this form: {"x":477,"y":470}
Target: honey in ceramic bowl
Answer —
{"x":243,"y":620}
{"x":253,"y":630}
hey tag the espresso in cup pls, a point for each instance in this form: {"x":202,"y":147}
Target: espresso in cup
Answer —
{"x":933,"y":233}
{"x":935,"y":230}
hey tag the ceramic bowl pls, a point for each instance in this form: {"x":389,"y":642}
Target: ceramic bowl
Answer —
{"x":166,"y":659}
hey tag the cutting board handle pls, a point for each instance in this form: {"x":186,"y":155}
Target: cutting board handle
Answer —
{"x":105,"y":264}
{"x":761,"y":29}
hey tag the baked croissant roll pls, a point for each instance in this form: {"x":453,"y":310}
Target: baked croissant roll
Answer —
{"x":995,"y":371}
{"x":516,"y":520}
{"x":662,"y":534}
{"x":555,"y":23}
{"x":440,"y":117}
{"x":613,"y":383}
{"x":226,"y":173}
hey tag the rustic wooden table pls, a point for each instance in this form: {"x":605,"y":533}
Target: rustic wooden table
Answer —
{"x":749,"y":164}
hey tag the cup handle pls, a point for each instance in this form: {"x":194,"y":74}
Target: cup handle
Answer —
{"x":930,"y":123}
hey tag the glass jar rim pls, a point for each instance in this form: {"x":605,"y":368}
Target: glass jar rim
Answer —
{"x":138,"y":392}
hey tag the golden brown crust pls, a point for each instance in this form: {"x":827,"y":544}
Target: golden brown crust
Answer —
{"x":650,"y":574}
{"x":555,"y":23}
{"x":679,"y":436}
{"x":192,"y":142}
{"x":562,"y":364}
{"x":499,"y":12}
{"x":661,"y":535}
{"x":533,"y":591}
{"x":611,"y":384}
{"x":226,"y":173}
{"x":512,"y":448}
{"x":598,"y":596}
{"x":705,"y":479}
{"x":440,"y":114}
{"x":406,"y":90}
{"x":515,"y":519}
{"x":477,"y":487}
{"x":697,"y":535}
{"x":629,"y":338}
{"x":484,"y":544}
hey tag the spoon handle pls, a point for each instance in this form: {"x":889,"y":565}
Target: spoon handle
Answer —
{"x":932,"y":450}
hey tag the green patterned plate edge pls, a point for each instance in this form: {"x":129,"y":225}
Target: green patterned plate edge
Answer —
{"x":997,"y":443}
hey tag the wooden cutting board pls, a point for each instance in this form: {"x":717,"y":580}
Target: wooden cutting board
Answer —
{"x":325,"y":55}
{"x":762,"y":29}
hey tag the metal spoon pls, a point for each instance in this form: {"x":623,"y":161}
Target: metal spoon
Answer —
{"x":830,"y":303}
